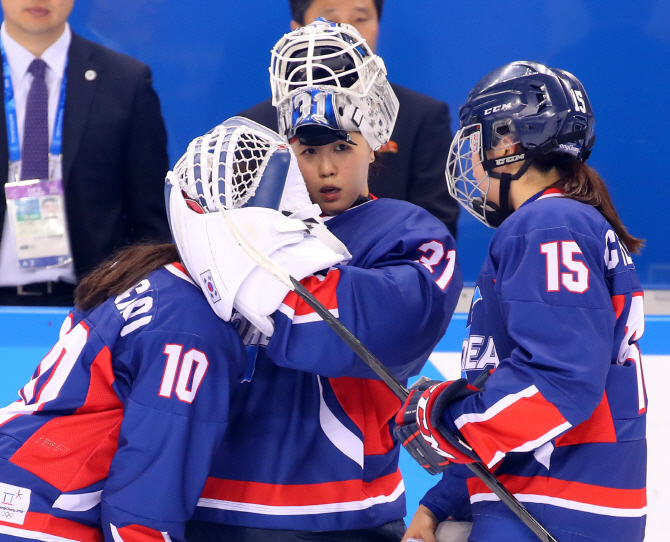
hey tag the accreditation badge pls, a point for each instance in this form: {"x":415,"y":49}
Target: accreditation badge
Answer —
{"x":37,"y":219}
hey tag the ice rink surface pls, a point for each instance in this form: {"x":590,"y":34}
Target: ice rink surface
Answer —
{"x":26,"y":335}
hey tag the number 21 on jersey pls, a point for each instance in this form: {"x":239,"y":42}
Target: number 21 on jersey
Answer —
{"x":433,"y":254}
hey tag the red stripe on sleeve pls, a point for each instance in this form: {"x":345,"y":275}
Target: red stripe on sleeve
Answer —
{"x":139,"y":533}
{"x":522,"y":422}
{"x":371,"y":405}
{"x":75,"y":451}
{"x":324,"y":290}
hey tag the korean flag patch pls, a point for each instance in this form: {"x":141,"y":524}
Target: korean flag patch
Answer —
{"x":210,"y":287}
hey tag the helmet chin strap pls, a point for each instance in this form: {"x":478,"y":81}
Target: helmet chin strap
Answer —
{"x":496,"y":214}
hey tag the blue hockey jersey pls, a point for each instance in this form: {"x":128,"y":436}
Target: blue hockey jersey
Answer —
{"x":310,"y":443}
{"x":557,"y":312}
{"x":116,"y":428}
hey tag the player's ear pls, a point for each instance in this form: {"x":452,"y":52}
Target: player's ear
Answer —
{"x":372,"y":156}
{"x":295,"y":25}
{"x":510,"y":146}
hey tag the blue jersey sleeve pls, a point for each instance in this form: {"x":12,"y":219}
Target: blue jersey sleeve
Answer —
{"x":554,"y":304}
{"x":397,"y":297}
{"x":174,"y":417}
{"x":450,"y":498}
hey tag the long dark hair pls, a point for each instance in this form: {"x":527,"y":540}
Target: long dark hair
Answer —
{"x":582,"y":183}
{"x":122,"y":271}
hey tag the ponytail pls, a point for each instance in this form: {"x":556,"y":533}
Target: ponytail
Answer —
{"x":582,"y":183}
{"x":122,"y":271}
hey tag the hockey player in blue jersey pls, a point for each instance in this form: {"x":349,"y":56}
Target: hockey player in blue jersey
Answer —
{"x":113,"y":436}
{"x":310,"y":453}
{"x":555,"y":321}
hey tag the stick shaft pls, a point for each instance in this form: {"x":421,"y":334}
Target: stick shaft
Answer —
{"x":402,"y":393}
{"x":381,"y":371}
{"x":370,"y":360}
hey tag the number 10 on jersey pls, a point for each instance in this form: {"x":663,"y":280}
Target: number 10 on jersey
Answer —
{"x":191,"y":368}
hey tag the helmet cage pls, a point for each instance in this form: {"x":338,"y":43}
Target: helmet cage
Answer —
{"x":225,"y":166}
{"x":357,"y":98}
{"x":467,"y":180}
{"x":304,"y":58}
{"x":374,"y":115}
{"x":541,"y":109}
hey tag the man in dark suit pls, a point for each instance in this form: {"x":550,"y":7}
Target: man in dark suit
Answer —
{"x":114,"y":147}
{"x":411,"y":165}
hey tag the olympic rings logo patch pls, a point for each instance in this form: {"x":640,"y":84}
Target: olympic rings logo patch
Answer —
{"x":6,"y":515}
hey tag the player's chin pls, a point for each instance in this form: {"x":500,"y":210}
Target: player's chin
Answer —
{"x":332,"y":208}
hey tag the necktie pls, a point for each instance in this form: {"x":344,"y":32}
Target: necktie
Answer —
{"x":35,"y":148}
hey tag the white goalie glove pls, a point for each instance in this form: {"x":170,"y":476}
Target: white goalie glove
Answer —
{"x":234,"y":187}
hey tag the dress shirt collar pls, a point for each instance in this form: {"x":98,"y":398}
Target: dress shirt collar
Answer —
{"x":19,"y":57}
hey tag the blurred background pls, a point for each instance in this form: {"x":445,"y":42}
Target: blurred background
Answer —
{"x":210,"y":59}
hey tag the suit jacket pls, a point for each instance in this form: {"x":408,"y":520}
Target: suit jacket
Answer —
{"x":414,"y":173}
{"x":114,"y":154}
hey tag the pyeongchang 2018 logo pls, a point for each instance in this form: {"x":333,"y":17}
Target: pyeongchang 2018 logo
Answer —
{"x":14,"y":503}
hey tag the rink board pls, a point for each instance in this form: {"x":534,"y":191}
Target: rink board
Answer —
{"x":26,"y":334}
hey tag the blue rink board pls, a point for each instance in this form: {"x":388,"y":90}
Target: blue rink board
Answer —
{"x":27,"y":334}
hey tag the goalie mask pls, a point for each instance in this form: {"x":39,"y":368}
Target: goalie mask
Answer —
{"x":237,"y":177}
{"x":541,"y":110}
{"x":326,"y":81}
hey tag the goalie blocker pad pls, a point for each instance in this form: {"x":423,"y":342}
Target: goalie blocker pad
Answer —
{"x":228,"y":276}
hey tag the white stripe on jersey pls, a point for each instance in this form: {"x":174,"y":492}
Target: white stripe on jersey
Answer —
{"x":565,"y":503}
{"x":306,"y":509}
{"x":495,"y":409}
{"x":117,"y":537}
{"x":34,"y":535}
{"x":343,"y":439}
{"x":178,"y":273}
{"x":304,"y":318}
{"x":77,"y":503}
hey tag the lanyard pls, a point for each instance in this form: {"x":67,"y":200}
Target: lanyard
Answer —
{"x":10,"y":113}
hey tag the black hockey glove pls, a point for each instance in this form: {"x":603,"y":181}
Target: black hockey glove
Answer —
{"x":420,"y":428}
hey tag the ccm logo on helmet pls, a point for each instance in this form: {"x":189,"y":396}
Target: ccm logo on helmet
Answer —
{"x":503,"y":107}
{"x":509,"y":159}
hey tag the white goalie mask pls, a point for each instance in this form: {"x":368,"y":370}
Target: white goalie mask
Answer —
{"x":324,"y":74}
{"x":226,"y":165}
{"x":246,"y":172}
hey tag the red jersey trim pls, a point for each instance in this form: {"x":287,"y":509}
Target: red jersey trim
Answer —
{"x":295,"y":499}
{"x":325,"y":290}
{"x":371,"y":405}
{"x":519,"y":422}
{"x":37,"y":524}
{"x":72,"y":452}
{"x":573,"y":495}
{"x":598,"y":428}
{"x":618,"y":304}
{"x":138,"y":533}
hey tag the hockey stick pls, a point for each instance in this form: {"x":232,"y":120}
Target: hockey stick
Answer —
{"x":382,"y":372}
